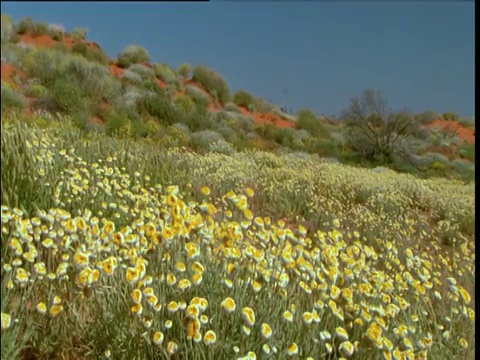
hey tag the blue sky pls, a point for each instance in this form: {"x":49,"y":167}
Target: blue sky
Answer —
{"x":419,"y":54}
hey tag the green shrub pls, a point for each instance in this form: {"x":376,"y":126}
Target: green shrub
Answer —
{"x":90,"y":53}
{"x":221,"y":147}
{"x":197,"y":95}
{"x":309,"y":121}
{"x":97,"y":55}
{"x":427,"y":117}
{"x":36,"y":90}
{"x":43,"y":65}
{"x":463,"y":169}
{"x":184,"y":103}
{"x":144,"y":72}
{"x":67,"y":94}
{"x":244,"y":99}
{"x":199,"y":119}
{"x":164,"y":73}
{"x":160,"y":108}
{"x":202,"y":140}
{"x":32,"y":28}
{"x":80,"y":48}
{"x":173,"y":137}
{"x":11,"y":99}
{"x":79,"y":34}
{"x":213,"y":83}
{"x":467,"y":151}
{"x":56,"y":32}
{"x":450,"y":116}
{"x":8,"y":34}
{"x":261,"y":105}
{"x":184,"y":71}
{"x":232,"y":107}
{"x":133,"y":54}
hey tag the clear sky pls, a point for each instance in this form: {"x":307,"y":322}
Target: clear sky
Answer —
{"x":419,"y":54}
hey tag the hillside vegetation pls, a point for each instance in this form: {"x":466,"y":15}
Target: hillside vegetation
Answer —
{"x":151,"y":213}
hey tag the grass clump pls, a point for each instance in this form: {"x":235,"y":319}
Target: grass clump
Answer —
{"x":212,"y":82}
{"x":132,"y":54}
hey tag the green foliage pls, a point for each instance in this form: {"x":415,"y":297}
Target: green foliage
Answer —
{"x":32,"y":28}
{"x":374,"y":130}
{"x":467,"y":151}
{"x":56,"y":32}
{"x":244,"y":99}
{"x":164,"y":73}
{"x":67,"y":94}
{"x":144,"y":72}
{"x":199,"y":119}
{"x":450,"y":116}
{"x":133,"y":54}
{"x":91,"y":53}
{"x":212,"y":82}
{"x":202,"y":140}
{"x":197,"y":95}
{"x":172,"y":137}
{"x":8,"y":34}
{"x":427,"y":117}
{"x":185,"y":103}
{"x":464,"y":169}
{"x":307,"y":120}
{"x":161,"y":108}
{"x":232,"y":107}
{"x":79,"y":34}
{"x":11,"y":99}
{"x":184,"y":71}
{"x":115,"y":122}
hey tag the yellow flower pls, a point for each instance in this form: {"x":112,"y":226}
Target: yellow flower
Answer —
{"x":246,"y":330}
{"x":292,"y":349}
{"x":374,"y":332}
{"x":197,"y":279}
{"x":463,"y":343}
{"x":193,"y":311}
{"x":158,"y":338}
{"x":42,"y":308}
{"x":288,"y":316}
{"x":341,"y":333}
{"x":171,"y":279}
{"x":6,"y":321}
{"x":172,"y":306}
{"x":205,"y":190}
{"x":136,"y":296}
{"x":464,"y":294}
{"x":346,"y":348}
{"x":137,"y":309}
{"x":228,"y":305}
{"x":249,"y":192}
{"x":55,"y":310}
{"x":266,"y":331}
{"x":248,"y":316}
{"x":132,"y":275}
{"x":307,"y":317}
{"x":210,"y":337}
{"x":172,"y":347}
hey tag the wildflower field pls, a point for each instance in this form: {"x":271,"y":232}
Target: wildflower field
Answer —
{"x":116,"y":249}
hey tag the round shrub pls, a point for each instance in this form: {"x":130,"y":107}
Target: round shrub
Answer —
{"x":184,"y":71}
{"x":203,"y":139}
{"x":132,"y":54}
{"x":213,"y":83}
{"x":244,"y":99}
{"x":164,"y":73}
{"x":184,"y":103}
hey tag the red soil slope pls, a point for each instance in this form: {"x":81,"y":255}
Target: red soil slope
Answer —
{"x":46,"y":41}
{"x":8,"y":71}
{"x":463,"y":132}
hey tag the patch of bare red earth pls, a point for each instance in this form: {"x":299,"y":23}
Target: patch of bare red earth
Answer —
{"x":46,"y":41}
{"x":268,"y":118}
{"x":450,"y":126}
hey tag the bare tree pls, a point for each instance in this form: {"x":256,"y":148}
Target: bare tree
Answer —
{"x":373,"y":129}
